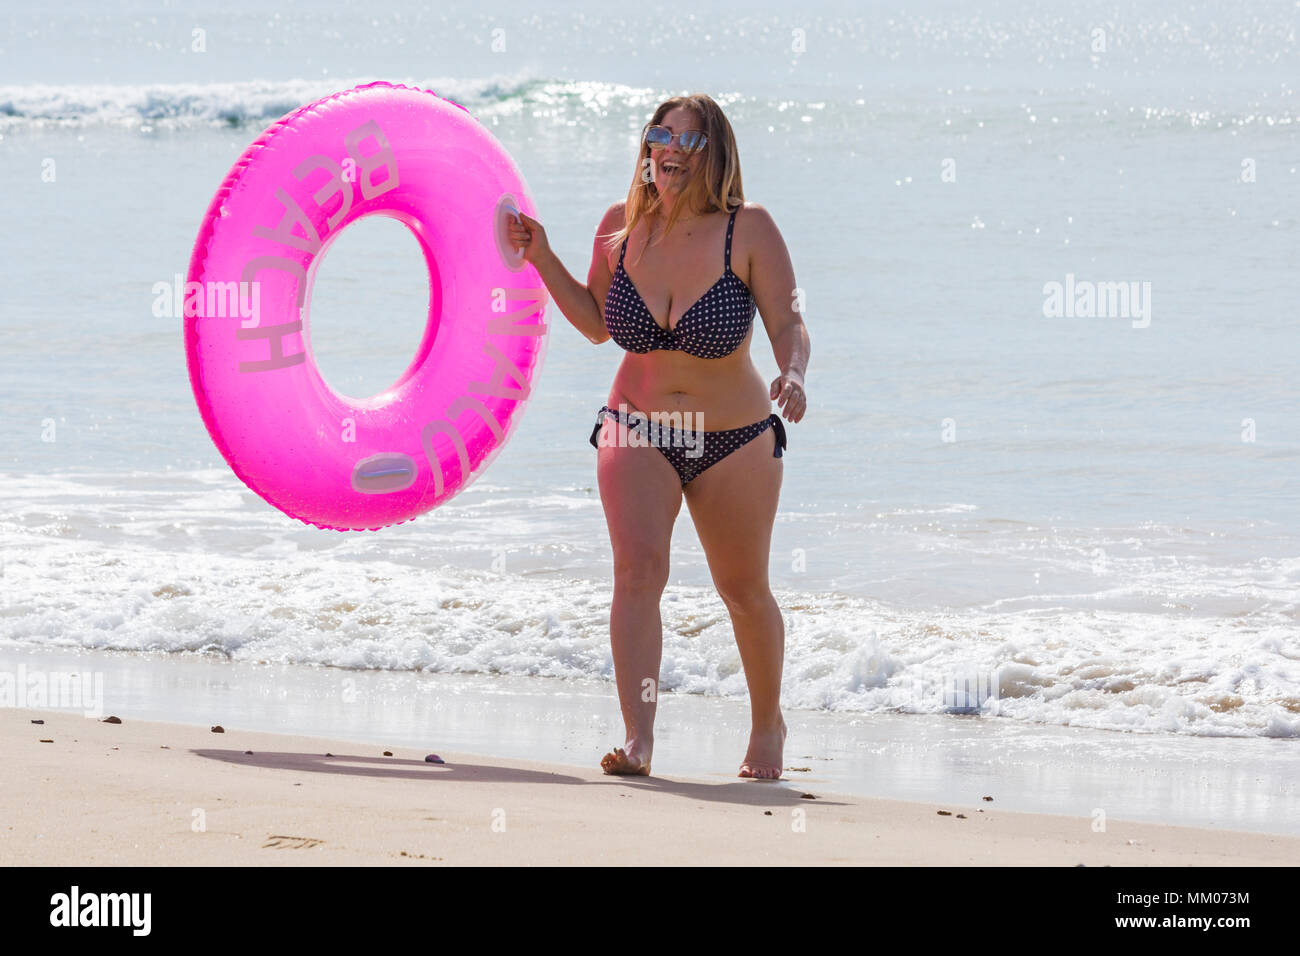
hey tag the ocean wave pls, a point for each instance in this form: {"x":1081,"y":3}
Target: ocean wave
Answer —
{"x":259,"y":102}
{"x":271,"y":601}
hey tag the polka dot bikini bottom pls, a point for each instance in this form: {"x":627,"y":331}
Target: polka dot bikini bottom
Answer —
{"x":691,"y":452}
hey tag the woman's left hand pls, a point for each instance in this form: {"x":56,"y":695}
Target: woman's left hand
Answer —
{"x":787,"y":391}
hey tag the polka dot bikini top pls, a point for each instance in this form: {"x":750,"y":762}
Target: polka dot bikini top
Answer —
{"x":711,"y":328}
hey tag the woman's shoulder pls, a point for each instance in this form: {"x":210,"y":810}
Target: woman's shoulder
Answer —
{"x":611,"y":224}
{"x":615,"y":216}
{"x":758,"y":222}
{"x":752,"y":210}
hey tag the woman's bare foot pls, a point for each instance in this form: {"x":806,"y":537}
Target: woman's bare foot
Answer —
{"x":635,"y":760}
{"x":764,"y":756}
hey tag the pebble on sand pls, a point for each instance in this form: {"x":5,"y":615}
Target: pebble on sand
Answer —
{"x":38,"y":721}
{"x":110,"y":719}
{"x":388,"y":753}
{"x":434,"y":758}
{"x":218,"y":729}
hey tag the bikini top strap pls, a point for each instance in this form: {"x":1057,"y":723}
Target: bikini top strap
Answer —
{"x":731,"y":225}
{"x":623,"y":251}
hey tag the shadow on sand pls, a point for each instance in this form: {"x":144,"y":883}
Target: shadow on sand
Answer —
{"x":758,"y":793}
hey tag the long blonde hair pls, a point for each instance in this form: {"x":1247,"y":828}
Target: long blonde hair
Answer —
{"x":716,"y":188}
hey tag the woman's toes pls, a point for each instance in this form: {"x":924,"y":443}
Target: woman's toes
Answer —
{"x":617,"y":761}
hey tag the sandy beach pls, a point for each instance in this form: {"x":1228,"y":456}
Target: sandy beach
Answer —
{"x":145,"y":793}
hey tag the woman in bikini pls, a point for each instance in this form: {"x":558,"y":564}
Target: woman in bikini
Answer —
{"x":688,"y":414}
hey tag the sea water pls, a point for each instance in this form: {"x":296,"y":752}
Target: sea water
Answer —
{"x":1092,"y":516}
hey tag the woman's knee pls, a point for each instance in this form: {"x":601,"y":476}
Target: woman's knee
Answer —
{"x":745,"y":594}
{"x":642,"y":574}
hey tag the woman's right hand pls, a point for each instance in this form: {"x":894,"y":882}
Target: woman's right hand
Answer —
{"x":530,"y":236}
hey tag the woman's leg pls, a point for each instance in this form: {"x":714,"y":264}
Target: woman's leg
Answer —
{"x":642,"y":495}
{"x":733,"y":505}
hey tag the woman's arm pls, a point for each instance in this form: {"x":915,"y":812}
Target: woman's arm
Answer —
{"x":582,"y":305}
{"x":780,"y":303}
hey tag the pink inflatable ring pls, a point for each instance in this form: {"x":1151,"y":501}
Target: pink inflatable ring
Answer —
{"x":331,"y":461}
